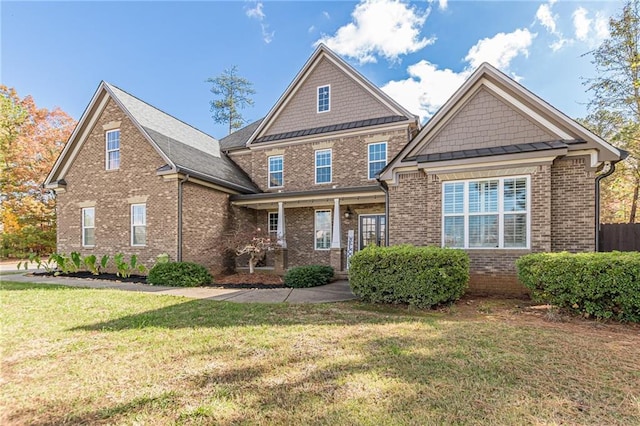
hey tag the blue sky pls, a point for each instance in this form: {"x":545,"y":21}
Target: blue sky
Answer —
{"x":418,"y":52}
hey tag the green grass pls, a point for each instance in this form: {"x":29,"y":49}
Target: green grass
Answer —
{"x":82,"y":356}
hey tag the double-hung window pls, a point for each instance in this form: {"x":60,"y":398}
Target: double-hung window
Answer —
{"x":486,"y":213}
{"x":138,"y":224}
{"x":324,"y":103}
{"x":113,"y":149}
{"x":323,"y":166}
{"x":322,"y":230}
{"x":273,"y":222}
{"x":276,"y":168}
{"x":88,"y":227}
{"x":377,"y":158}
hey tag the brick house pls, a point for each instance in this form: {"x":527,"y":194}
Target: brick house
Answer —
{"x":335,"y":165}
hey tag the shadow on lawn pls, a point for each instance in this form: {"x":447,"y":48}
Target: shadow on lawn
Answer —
{"x":205,"y":313}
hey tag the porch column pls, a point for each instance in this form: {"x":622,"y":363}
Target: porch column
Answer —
{"x":336,"y":248}
{"x":280,"y":230}
{"x":281,"y":257}
{"x":335,"y":235}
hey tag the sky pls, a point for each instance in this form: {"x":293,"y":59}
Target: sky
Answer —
{"x":418,"y":52}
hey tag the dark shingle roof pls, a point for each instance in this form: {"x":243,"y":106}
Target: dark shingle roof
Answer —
{"x":239,"y":138}
{"x":189,"y":149}
{"x":498,"y":150}
{"x":332,"y":128}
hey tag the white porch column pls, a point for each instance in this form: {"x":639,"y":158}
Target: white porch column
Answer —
{"x":280,"y":234}
{"x":335,"y":235}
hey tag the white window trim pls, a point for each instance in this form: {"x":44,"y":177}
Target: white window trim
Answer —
{"x":107,"y":150}
{"x":318,"y":99}
{"x":84,"y":244}
{"x":132,"y":225}
{"x":269,"y":223}
{"x":269,"y":171}
{"x":386,"y":156}
{"x":500,"y":212}
{"x":315,"y":229}
{"x":318,"y":151}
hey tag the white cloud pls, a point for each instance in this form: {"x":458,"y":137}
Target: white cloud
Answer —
{"x":386,"y":28}
{"x":500,"y":49}
{"x":443,"y":4}
{"x":311,"y":29}
{"x":326,"y":14}
{"x":258,"y":14}
{"x":546,"y":18}
{"x":601,"y":26}
{"x":581,"y":23}
{"x":428,"y":87}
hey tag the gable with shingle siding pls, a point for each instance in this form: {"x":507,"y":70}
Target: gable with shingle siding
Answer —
{"x":486,"y":122}
{"x":349,"y":102}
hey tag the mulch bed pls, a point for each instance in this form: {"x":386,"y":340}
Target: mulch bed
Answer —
{"x":239,"y":280}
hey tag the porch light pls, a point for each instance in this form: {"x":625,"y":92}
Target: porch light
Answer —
{"x":348,"y":214}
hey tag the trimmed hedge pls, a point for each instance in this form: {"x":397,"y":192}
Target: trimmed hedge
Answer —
{"x":418,"y":276}
{"x":179,"y":274}
{"x":308,"y":276}
{"x":601,"y":285}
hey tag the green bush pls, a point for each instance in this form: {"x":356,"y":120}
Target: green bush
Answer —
{"x":308,"y":276}
{"x":179,"y":274}
{"x":418,"y":276}
{"x":600,"y":285}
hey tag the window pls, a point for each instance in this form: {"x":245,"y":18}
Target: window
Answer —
{"x":138,"y":224}
{"x":487,"y":213}
{"x":323,"y":98}
{"x":113,"y":149}
{"x":273,"y":222}
{"x":323,"y":230}
{"x":276,"y":166}
{"x":323,"y":166}
{"x":89,"y":227}
{"x":377,"y":158}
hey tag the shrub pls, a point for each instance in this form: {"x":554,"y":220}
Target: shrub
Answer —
{"x":601,"y":285}
{"x":179,"y":274}
{"x":308,"y":276}
{"x":418,"y":276}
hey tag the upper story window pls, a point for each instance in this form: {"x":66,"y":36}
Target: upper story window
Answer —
{"x":113,"y":149}
{"x":138,"y":224}
{"x":273,"y":222}
{"x":276,"y":169}
{"x":323,"y":166}
{"x":324,"y":103}
{"x":377,"y":158}
{"x":88,"y":227}
{"x":486,"y":213}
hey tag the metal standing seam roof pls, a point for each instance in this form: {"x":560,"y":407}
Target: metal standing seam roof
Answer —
{"x":332,"y":128}
{"x":187,"y":147}
{"x":498,"y":150}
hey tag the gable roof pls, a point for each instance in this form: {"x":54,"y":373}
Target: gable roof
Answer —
{"x":239,"y":138}
{"x":323,"y":52}
{"x":514,"y":95}
{"x":184,"y":148}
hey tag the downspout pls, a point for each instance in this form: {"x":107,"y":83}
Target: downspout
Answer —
{"x":609,"y":168}
{"x":385,"y":188}
{"x":179,"y":254}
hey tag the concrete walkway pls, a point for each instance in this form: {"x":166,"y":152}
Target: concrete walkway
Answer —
{"x":335,"y":292}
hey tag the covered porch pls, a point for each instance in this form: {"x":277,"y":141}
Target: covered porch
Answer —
{"x":320,"y":227}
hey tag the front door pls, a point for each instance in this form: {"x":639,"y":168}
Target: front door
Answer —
{"x":372,"y":230}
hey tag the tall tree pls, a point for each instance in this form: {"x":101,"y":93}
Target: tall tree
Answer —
{"x":616,"y":102}
{"x":234,"y":94}
{"x":30,"y":140}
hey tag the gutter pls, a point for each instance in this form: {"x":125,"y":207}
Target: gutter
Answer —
{"x":385,"y":189}
{"x":609,"y":168}
{"x":179,"y":251}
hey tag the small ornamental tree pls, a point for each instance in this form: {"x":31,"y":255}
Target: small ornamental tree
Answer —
{"x":252,"y":241}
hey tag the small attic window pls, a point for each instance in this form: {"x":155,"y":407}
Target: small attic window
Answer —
{"x":323,"y":98}
{"x":113,"y":149}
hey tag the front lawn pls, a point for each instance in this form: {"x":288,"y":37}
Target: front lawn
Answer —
{"x":85,"y":356}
